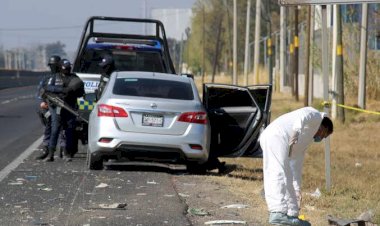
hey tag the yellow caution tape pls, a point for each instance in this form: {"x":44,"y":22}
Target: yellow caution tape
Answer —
{"x":328,"y":104}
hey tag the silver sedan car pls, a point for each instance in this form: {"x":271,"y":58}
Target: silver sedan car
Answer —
{"x":149,"y":116}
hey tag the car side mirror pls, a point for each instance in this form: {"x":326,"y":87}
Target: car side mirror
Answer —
{"x":90,"y":97}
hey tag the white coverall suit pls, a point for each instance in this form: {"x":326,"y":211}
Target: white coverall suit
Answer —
{"x":282,"y":173}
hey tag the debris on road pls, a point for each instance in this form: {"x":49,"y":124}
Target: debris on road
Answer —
{"x":31,"y":178}
{"x":358,"y":164}
{"x":16,"y":183}
{"x":218,"y":222}
{"x":114,"y":206}
{"x":45,"y":189}
{"x":198,"y":212}
{"x":102,"y":185}
{"x":366,"y":216}
{"x":347,"y":222}
{"x":183,"y":195}
{"x":236,"y":206}
{"x":151,"y":182}
{"x":316,"y":194}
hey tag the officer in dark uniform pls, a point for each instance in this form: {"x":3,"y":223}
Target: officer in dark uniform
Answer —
{"x":43,"y":110}
{"x":68,"y":86}
{"x":108,"y":66}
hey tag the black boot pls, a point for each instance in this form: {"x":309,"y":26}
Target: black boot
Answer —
{"x":50,"y":157}
{"x":68,"y":157}
{"x":61,"y":151}
{"x":44,"y":153}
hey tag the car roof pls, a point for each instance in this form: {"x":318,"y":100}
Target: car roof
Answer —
{"x":151,"y":75}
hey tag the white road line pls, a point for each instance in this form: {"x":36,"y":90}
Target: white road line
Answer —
{"x":13,"y":165}
{"x":17,"y":99}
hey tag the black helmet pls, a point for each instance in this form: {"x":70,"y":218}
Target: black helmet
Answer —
{"x":65,"y":64}
{"x":106,"y":60}
{"x":54,"y":60}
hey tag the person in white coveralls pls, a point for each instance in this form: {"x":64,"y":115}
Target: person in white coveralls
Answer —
{"x":284,"y":142}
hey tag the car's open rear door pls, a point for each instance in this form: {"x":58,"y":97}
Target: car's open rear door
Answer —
{"x":235,"y":117}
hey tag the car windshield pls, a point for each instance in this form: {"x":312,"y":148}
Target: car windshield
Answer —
{"x":125,"y":60}
{"x":153,"y":88}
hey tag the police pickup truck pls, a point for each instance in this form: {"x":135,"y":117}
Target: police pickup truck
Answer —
{"x":135,"y":45}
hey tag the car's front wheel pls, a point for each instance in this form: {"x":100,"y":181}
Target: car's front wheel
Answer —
{"x":94,"y":162}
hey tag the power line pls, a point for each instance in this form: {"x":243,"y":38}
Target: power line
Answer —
{"x":41,"y":28}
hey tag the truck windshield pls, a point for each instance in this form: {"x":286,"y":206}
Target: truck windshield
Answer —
{"x":125,"y":60}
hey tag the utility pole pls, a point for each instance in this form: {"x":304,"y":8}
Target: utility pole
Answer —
{"x":203,"y":44}
{"x":363,"y":57}
{"x":307,"y":53}
{"x":339,"y":67}
{"x":334,"y":58}
{"x":325,"y":70}
{"x":269,"y":45}
{"x":234,"y":66}
{"x":277,"y":62}
{"x":311,"y":82}
{"x":282,"y":46}
{"x":257,"y":41}
{"x":296,"y":44}
{"x":246,"y":53}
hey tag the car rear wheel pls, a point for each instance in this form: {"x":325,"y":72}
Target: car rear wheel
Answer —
{"x":93,"y":162}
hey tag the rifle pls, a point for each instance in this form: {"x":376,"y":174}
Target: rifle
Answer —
{"x":60,"y":103}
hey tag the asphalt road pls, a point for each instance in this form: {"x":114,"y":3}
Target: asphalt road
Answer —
{"x":60,"y":193}
{"x":19,"y":123}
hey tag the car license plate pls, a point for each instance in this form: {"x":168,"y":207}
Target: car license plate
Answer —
{"x":153,"y":120}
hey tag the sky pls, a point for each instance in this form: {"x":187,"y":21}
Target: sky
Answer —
{"x":28,"y":22}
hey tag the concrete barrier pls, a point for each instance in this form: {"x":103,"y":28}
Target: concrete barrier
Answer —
{"x":13,"y":78}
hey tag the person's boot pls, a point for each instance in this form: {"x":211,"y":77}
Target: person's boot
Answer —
{"x":67,"y":155}
{"x":44,"y":153}
{"x":50,"y":156}
{"x":61,"y":151}
{"x":277,"y":218}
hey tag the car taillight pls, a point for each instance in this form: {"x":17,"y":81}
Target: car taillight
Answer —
{"x":196,"y":146}
{"x":111,"y":111}
{"x":105,"y":140}
{"x":193,"y":117}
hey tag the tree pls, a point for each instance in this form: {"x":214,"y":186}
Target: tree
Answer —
{"x":55,"y":48}
{"x":201,"y":45}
